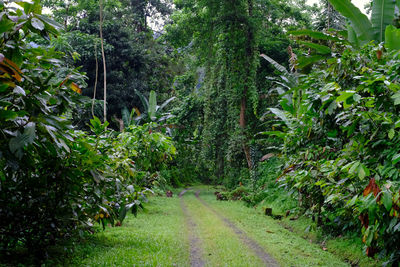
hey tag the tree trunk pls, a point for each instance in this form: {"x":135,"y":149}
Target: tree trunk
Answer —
{"x":95,"y":81}
{"x":104,"y":60}
{"x":243,"y":124}
{"x":243,"y":106}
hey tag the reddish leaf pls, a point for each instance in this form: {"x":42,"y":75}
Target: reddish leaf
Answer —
{"x":11,"y":68}
{"x":379,"y":54}
{"x":364,"y":220}
{"x":287,"y":170}
{"x":372,"y":187}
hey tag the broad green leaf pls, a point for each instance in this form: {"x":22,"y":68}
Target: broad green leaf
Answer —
{"x":30,"y":6}
{"x":307,"y":61}
{"x":152,"y":105}
{"x":322,"y":49}
{"x":3,"y":87}
{"x":19,"y":90}
{"x":331,"y":108}
{"x":163,"y":105}
{"x":387,"y":200}
{"x":382,"y":16}
{"x":354,"y":167}
{"x":37,"y":24}
{"x":17,"y":143}
{"x":392,"y":38}
{"x":370,"y":236}
{"x":143,"y":99}
{"x":396,"y":98}
{"x":5,"y":103}
{"x":360,"y":22}
{"x":281,"y":115}
{"x":347,"y":166}
{"x":278,"y":66}
{"x":352,"y":36}
{"x":352,"y":201}
{"x":392,"y":224}
{"x":49,"y":21}
{"x":391,"y":134}
{"x":363,"y":171}
{"x":5,"y":25}
{"x":122,"y":213}
{"x":8,"y":114}
{"x":395,"y":159}
{"x":344,"y":96}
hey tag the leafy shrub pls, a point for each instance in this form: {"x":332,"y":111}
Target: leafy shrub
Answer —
{"x":56,"y":181}
{"x":339,"y":135}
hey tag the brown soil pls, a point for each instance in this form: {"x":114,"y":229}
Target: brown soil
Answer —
{"x":195,"y":243}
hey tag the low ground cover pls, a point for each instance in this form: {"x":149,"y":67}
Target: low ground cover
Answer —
{"x":158,"y":237}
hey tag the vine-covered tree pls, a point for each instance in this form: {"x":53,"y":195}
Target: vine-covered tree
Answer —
{"x":227,"y":37}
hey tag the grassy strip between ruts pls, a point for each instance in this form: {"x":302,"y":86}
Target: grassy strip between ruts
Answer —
{"x":154,"y":238}
{"x":221,"y":246}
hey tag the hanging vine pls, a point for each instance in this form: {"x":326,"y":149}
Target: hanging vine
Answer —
{"x":230,"y":86}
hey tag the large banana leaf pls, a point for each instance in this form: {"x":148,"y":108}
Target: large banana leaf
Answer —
{"x":277,"y":66}
{"x":382,"y":16}
{"x":359,"y":21}
{"x":352,"y":36}
{"x":321,"y":49}
{"x":144,"y":100}
{"x":392,"y":38}
{"x":152,"y":105}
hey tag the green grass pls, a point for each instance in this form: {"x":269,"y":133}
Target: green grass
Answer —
{"x":158,"y":237}
{"x":286,"y":247}
{"x":154,"y":238}
{"x":221,"y":246}
{"x":348,"y":248}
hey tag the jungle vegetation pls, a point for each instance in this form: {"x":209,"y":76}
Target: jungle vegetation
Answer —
{"x":105,"y":103}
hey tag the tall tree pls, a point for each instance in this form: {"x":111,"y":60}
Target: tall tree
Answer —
{"x":104,"y":61}
{"x":225,"y":39}
{"x":137,"y":59}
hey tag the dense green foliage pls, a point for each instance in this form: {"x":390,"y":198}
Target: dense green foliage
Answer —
{"x":57,"y":181}
{"x":137,"y":59}
{"x":339,"y":139}
{"x":224,"y":84}
{"x":283,"y":103}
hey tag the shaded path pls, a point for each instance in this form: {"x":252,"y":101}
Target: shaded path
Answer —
{"x":195,"y":243}
{"x":252,"y":244}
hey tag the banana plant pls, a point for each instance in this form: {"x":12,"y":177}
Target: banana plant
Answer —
{"x":362,"y":30}
{"x":286,"y":86}
{"x":152,"y":111}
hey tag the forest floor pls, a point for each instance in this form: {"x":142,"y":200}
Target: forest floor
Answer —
{"x":194,"y":229}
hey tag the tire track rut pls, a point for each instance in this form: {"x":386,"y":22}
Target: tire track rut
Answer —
{"x":196,"y":251}
{"x":251,"y":243}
